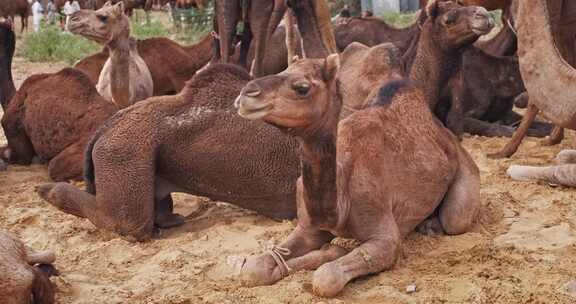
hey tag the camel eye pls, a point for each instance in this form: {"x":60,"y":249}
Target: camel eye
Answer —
{"x":103,"y":18}
{"x":301,"y":88}
{"x":450,"y":18}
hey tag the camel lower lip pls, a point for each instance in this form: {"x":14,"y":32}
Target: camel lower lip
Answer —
{"x":254,"y":113}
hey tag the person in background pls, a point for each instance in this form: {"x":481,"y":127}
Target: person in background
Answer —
{"x":51,"y":12}
{"x":37,"y":11}
{"x":70,"y":7}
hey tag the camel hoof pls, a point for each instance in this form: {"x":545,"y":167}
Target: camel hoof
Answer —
{"x":258,"y":271}
{"x":430,"y":227}
{"x":171,"y":220}
{"x":328,"y":280}
{"x":44,"y":190}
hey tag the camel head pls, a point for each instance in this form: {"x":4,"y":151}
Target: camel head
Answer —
{"x":102,"y":26}
{"x":296,"y":99}
{"x":454,"y":25}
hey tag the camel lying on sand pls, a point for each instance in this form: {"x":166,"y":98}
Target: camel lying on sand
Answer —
{"x":24,"y":274}
{"x":374,"y":176}
{"x":563,"y":173}
{"x":109,"y":26}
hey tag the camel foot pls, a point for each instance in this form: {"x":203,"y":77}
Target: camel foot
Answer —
{"x":431,"y":227}
{"x":259,"y":271}
{"x":171,"y":220}
{"x":57,"y":194}
{"x":550,"y":141}
{"x":499,"y":155}
{"x":329,"y":280}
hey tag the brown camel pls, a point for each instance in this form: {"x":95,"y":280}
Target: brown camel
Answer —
{"x":261,"y":179}
{"x":355,"y":182}
{"x":125,"y":77}
{"x":170,"y":63}
{"x":187,"y":143}
{"x":546,"y":29}
{"x":25,"y":274}
{"x":54,"y":124}
{"x":11,"y":8}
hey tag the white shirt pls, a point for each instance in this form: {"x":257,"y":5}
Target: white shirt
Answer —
{"x":71,"y":8}
{"x":37,"y":9}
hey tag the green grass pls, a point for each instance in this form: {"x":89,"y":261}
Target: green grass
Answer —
{"x":399,"y":20}
{"x":149,"y":29}
{"x":51,"y":45}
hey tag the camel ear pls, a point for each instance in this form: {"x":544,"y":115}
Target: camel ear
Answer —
{"x":331,"y":66}
{"x":107,"y":4}
{"x":119,"y":8}
{"x":432,"y":10}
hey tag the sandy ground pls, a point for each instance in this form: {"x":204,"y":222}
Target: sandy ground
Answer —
{"x":522,"y":249}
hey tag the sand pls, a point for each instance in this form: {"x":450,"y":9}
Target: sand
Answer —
{"x":521,"y":250}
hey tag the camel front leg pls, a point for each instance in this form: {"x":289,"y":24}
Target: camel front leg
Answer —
{"x":373,"y":256}
{"x":558,"y":175}
{"x":512,"y":146}
{"x":555,"y":137}
{"x":274,"y":265}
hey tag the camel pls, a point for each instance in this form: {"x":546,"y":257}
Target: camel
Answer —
{"x":7,"y":47}
{"x":170,"y":63}
{"x":354,"y":182}
{"x":546,"y":31}
{"x":8,"y":9}
{"x":125,"y":68}
{"x":260,"y":179}
{"x":187,"y":143}
{"x":25,"y":274}
{"x":563,"y":173}
{"x":261,"y":18}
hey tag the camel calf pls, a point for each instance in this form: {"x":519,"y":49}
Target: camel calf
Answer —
{"x":373,"y":176}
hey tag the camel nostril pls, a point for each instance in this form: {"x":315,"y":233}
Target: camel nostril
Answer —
{"x":251,"y":90}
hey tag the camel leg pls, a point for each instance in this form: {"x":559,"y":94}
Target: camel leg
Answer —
{"x":68,"y":164}
{"x":484,"y":128}
{"x":264,"y":270}
{"x":373,"y":256}
{"x":462,"y":201}
{"x":512,"y":145}
{"x":555,"y":138}
{"x":67,"y":198}
{"x":317,"y":258}
{"x":559,"y":175}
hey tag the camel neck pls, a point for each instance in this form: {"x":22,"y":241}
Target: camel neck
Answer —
{"x":119,"y":50}
{"x":433,"y":65}
{"x":201,"y":51}
{"x":318,"y":161}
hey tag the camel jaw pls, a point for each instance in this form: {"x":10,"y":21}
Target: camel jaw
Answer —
{"x":252,"y":109}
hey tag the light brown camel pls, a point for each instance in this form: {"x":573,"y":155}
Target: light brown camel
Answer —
{"x":25,"y":274}
{"x":355,"y":182}
{"x":546,"y":31}
{"x":125,"y":77}
{"x":170,"y":63}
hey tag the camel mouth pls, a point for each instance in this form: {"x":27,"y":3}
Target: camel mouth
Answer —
{"x":252,"y":110}
{"x":482,"y":28}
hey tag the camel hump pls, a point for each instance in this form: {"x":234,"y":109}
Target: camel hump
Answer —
{"x":388,"y":91}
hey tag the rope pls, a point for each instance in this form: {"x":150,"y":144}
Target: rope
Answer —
{"x":278,"y":254}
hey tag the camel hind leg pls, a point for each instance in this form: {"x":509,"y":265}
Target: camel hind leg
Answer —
{"x":68,"y":164}
{"x":462,"y":201}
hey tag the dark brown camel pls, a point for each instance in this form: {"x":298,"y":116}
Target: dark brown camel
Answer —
{"x":186,"y":143}
{"x":355,"y":182}
{"x":11,"y":8}
{"x":25,"y":274}
{"x":170,"y":63}
{"x":7,"y":47}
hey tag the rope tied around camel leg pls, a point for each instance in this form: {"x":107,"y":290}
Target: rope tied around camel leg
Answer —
{"x":278,"y":253}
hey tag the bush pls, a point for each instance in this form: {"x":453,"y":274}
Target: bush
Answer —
{"x":149,"y":29}
{"x":400,"y":19}
{"x":51,"y":44}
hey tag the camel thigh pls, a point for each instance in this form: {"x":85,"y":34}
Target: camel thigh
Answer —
{"x":462,"y":201}
{"x":68,"y":164}
{"x":371,"y":257}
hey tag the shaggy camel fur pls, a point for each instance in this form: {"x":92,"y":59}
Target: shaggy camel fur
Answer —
{"x":25,"y":274}
{"x":174,"y":138}
{"x":170,"y":63}
{"x":355,"y":182}
{"x":186,"y":143}
{"x":54,"y":124}
{"x":546,"y":29}
{"x":125,"y":78}
{"x":563,"y":173}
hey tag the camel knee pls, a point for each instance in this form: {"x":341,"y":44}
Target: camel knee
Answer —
{"x":454,"y":225}
{"x":566,"y":157}
{"x":329,"y":280}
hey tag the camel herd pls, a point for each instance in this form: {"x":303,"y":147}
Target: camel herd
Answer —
{"x":359,"y":139}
